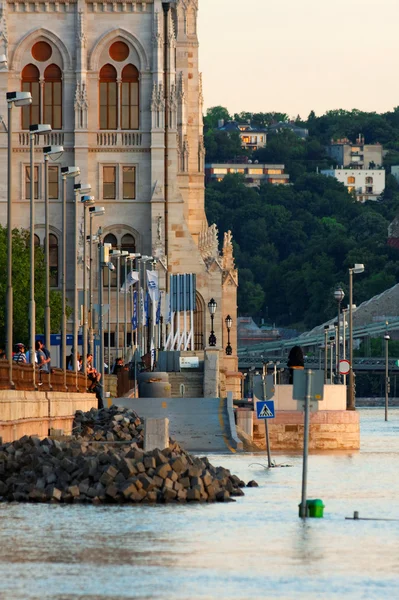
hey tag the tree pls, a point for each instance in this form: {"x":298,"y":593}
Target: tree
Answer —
{"x":21,"y":288}
{"x":214,"y":115}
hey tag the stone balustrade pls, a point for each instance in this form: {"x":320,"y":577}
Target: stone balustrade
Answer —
{"x":22,"y":375}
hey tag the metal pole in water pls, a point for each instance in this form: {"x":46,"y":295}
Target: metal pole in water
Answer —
{"x":303,"y":512}
{"x":269,"y":459}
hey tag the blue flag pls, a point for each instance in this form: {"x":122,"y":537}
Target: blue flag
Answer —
{"x":158,"y":315}
{"x":134,"y":316}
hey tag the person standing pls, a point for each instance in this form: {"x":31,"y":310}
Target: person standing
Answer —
{"x":295,"y":361}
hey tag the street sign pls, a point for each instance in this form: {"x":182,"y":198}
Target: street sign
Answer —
{"x":316,"y":385}
{"x":265,"y":410}
{"x":258,"y":387}
{"x":344,"y":367}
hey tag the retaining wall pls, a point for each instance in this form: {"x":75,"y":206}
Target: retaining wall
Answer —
{"x":329,"y":430}
{"x":35,"y":413}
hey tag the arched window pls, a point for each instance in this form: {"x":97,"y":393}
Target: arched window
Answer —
{"x":351,"y":180}
{"x":128,"y":244}
{"x":108,"y":98}
{"x":130,"y":98}
{"x":53,"y":259}
{"x":110,"y":239}
{"x":31,"y":83}
{"x":37,"y":241}
{"x":369,"y":180}
{"x":52,"y":100}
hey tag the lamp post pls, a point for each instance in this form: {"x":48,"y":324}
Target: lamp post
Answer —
{"x":79,"y":189}
{"x":33,"y":131}
{"x":66,"y":172}
{"x":387,"y":337}
{"x":212,"y":305}
{"x":357,"y":268}
{"x":326,"y":327}
{"x":55,"y":152}
{"x":87,"y":201}
{"x":229,"y":321}
{"x":117,"y":254}
{"x":13,"y":99}
{"x":94,"y":211}
{"x":339,"y":296}
{"x":125,"y":256}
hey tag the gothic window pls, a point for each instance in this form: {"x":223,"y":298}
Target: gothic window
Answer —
{"x":53,"y":182}
{"x":53,"y":96}
{"x":27,"y":182}
{"x":199,"y":322}
{"x":53,"y":259}
{"x":129,"y":183}
{"x":130,"y":98}
{"x":31,"y":83}
{"x":108,"y":98}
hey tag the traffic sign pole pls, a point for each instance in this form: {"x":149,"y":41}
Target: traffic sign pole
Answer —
{"x":309,"y":375}
{"x":269,"y":460}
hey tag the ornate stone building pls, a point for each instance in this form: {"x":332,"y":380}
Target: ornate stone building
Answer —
{"x":119,"y":83}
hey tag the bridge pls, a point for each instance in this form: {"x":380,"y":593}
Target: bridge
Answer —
{"x":257,"y":354}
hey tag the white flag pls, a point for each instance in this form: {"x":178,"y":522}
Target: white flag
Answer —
{"x":152,"y":355}
{"x":131,"y":279}
{"x":142,"y":309}
{"x":152,"y":285}
{"x":167,"y":312}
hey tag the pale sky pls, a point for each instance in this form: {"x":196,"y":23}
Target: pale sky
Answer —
{"x":297,"y":55}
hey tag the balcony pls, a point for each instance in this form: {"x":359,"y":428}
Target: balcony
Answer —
{"x":54,"y":138}
{"x":119,"y":139}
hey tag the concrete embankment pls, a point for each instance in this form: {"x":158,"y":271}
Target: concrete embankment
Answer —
{"x":35,"y":413}
{"x":198,"y":424}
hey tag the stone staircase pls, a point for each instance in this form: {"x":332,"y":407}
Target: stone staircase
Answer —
{"x":193,"y":384}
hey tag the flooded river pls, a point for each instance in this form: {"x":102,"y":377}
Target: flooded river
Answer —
{"x":255,"y":548}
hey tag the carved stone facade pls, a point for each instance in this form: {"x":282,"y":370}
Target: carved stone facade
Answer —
{"x":163,"y":143}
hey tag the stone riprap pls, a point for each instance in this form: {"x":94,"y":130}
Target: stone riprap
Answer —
{"x":82,"y":470}
{"x":114,"y":424}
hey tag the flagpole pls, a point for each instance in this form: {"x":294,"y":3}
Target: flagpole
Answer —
{"x":125,"y":312}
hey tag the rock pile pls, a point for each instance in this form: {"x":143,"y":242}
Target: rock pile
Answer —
{"x":114,"y":424}
{"x":82,"y":470}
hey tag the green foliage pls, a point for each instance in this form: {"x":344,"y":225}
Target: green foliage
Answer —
{"x":21,"y":286}
{"x":296,"y":243}
{"x":214,"y":114}
{"x":222,"y":146}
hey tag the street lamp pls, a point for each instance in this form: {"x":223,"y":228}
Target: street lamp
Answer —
{"x":339,"y":295}
{"x":87,"y":201}
{"x":212,"y":305}
{"x":357,"y":268}
{"x":326,"y":328}
{"x":229,"y":321}
{"x":66,"y":172}
{"x":13,"y":99}
{"x":94,"y":211}
{"x":387,"y":337}
{"x":33,"y":131}
{"x":79,"y":189}
{"x":55,"y":152}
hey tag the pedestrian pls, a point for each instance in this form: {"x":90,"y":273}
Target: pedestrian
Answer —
{"x":118,"y":366}
{"x":92,"y":374}
{"x":42,"y":362}
{"x":47,"y":355}
{"x":19,"y":354}
{"x":295,"y":361}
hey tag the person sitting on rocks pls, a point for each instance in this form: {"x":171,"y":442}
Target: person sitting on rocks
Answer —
{"x":92,"y":374}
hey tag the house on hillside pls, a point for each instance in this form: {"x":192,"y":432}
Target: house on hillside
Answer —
{"x":355,"y":156}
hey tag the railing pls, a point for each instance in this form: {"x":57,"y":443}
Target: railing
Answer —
{"x":119,"y":138}
{"x":55,"y":138}
{"x":22,"y":375}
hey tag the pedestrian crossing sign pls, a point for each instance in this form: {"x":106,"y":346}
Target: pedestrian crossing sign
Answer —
{"x":265,"y":410}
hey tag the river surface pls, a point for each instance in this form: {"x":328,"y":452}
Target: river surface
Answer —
{"x":255,"y":548}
